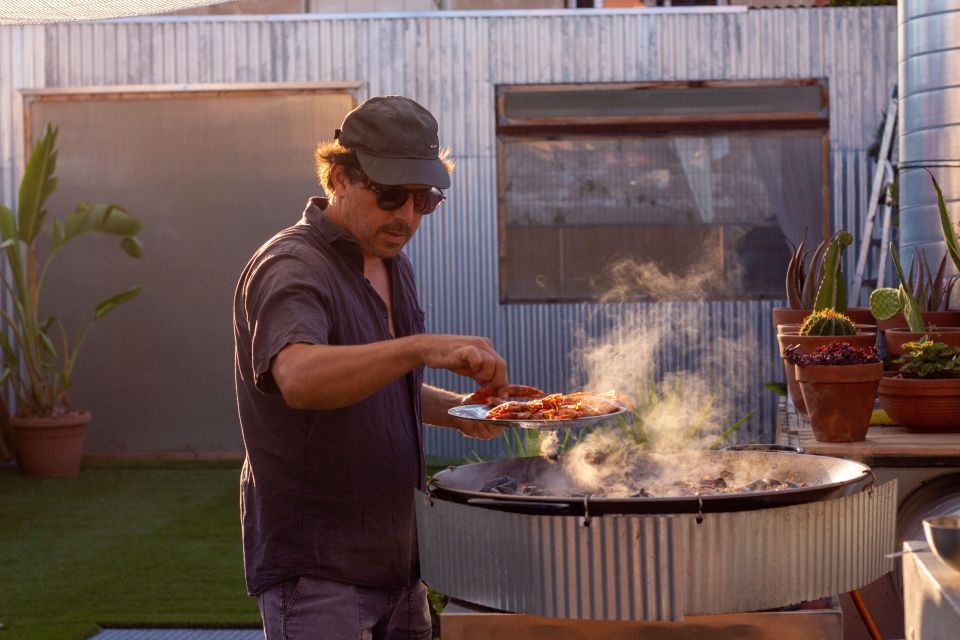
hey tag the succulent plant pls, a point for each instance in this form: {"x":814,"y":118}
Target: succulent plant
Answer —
{"x":949,"y":235}
{"x":832,"y":293}
{"x":805,"y":278}
{"x":827,"y":323}
{"x":833,"y":353}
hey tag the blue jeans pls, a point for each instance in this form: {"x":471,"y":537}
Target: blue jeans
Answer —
{"x":316,"y":609}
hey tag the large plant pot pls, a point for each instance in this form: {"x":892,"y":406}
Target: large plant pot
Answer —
{"x":50,"y":447}
{"x":894,"y":339}
{"x":921,"y":405}
{"x":783,"y":315}
{"x":839,"y":399}
{"x":930,"y":319}
{"x":807,"y":344}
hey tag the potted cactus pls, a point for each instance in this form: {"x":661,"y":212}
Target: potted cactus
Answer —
{"x":826,"y":323}
{"x":805,"y":275}
{"x":925,"y":394}
{"x":908,"y":300}
{"x":819,"y":329}
{"x":839,"y":384}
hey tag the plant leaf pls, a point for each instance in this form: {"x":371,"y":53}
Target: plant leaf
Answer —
{"x":949,"y":235}
{"x":103,"y":218}
{"x":107,"y":305}
{"x":37,"y":184}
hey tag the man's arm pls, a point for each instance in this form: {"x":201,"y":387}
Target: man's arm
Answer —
{"x":312,"y":376}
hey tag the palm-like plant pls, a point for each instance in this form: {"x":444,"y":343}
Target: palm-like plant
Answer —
{"x":38,"y":355}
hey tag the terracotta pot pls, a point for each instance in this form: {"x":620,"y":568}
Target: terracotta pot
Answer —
{"x":894,"y":339}
{"x":783,"y":315}
{"x":50,"y":447}
{"x":921,"y":405}
{"x":795,"y":328}
{"x":839,"y":399}
{"x":930,"y":318}
{"x":807,"y":344}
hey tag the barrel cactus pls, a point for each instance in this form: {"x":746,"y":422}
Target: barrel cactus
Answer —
{"x":827,"y":323}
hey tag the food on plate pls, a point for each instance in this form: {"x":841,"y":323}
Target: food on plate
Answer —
{"x":516,"y":391}
{"x":557,"y":406}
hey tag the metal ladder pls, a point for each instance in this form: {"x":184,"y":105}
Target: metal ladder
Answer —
{"x":882,"y":203}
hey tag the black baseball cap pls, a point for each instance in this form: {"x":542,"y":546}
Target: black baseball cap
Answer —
{"x":396,"y":142}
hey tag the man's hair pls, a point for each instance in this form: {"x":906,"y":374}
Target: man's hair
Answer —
{"x":332,"y":153}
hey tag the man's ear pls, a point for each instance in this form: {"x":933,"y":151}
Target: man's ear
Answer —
{"x":338,"y":175}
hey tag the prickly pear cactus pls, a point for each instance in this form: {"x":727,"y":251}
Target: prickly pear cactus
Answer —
{"x":885,"y":303}
{"x":827,"y":323}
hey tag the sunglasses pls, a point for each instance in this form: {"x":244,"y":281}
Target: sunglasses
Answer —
{"x":391,"y":198}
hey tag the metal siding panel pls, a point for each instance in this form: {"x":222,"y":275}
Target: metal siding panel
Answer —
{"x":451,"y":64}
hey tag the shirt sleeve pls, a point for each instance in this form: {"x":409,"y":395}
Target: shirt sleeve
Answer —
{"x":286,"y":302}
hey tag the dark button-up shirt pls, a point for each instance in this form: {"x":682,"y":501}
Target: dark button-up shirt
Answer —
{"x":325,"y":493}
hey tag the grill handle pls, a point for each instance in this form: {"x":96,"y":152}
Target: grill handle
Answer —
{"x":552,"y":508}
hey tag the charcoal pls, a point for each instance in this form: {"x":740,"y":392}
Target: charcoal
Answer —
{"x":501,"y":484}
{"x":761,"y":484}
{"x":532,"y":490}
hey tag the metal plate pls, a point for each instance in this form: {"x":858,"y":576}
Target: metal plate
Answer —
{"x":477,"y":413}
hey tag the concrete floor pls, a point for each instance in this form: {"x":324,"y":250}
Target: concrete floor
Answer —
{"x":179,"y":634}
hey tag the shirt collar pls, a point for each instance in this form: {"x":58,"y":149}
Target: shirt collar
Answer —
{"x":314,"y":216}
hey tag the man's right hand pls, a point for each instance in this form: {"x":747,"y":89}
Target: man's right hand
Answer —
{"x":470,"y":356}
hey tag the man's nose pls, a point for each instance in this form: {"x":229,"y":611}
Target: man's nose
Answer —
{"x":406,"y":212}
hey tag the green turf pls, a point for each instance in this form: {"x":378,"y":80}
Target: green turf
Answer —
{"x":122,"y":544}
{"x":144,"y":543}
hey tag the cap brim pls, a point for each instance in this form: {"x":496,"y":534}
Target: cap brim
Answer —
{"x":405,"y":170}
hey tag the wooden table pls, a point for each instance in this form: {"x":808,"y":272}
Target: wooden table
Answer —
{"x":891,"y":446}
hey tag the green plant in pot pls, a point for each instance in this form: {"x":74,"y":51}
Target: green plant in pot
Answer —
{"x":825,"y":323}
{"x":839,"y":384}
{"x":910,"y":300}
{"x":805,"y":275}
{"x":924,"y":395}
{"x":39,"y":355}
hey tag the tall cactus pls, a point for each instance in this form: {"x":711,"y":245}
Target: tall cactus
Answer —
{"x":832,"y":293}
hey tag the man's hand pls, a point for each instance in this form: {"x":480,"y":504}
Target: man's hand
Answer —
{"x":480,"y":430}
{"x":470,"y":356}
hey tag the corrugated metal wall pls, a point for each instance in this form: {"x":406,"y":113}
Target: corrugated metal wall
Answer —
{"x":450,"y":62}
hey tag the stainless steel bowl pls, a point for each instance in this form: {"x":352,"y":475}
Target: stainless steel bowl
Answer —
{"x":943,"y":536}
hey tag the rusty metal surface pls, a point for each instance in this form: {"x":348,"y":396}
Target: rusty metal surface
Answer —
{"x":458,"y":622}
{"x":655,"y":567}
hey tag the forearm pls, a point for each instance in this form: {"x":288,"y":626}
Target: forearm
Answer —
{"x":435,"y":403}
{"x":331,"y":377}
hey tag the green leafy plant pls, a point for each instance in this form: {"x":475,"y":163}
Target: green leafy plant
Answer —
{"x":818,"y":283}
{"x":670,"y":399}
{"x":529,"y":443}
{"x":38,"y":355}
{"x":927,"y":359}
{"x":929,"y":291}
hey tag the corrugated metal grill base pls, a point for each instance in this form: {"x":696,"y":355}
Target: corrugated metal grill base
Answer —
{"x":658,"y":567}
{"x":179,"y":634}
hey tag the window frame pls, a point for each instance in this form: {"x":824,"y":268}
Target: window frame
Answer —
{"x":513,"y":129}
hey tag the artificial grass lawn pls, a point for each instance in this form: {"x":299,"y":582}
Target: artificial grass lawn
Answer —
{"x":122,"y":544}
{"x":132,"y":544}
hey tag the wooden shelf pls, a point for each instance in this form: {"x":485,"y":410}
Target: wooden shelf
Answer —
{"x":889,"y":446}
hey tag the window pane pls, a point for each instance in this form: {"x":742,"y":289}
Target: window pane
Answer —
{"x":665,"y":217}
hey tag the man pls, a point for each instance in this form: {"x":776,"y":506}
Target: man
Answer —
{"x":330,"y":350}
